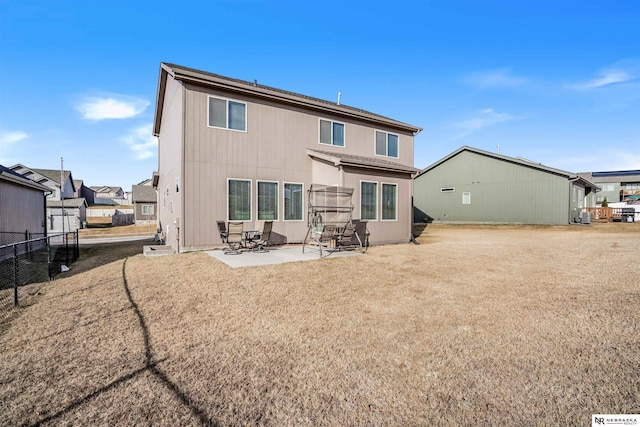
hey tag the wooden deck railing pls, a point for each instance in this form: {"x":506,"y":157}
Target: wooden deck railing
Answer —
{"x":604,"y":214}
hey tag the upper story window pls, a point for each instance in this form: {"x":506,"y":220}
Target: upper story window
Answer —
{"x":331,"y":133}
{"x":386,"y":144}
{"x":227,"y":114}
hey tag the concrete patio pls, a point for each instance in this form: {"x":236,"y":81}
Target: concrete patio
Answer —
{"x":277,"y":255}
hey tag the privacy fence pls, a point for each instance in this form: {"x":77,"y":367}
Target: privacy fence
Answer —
{"x":27,"y":258}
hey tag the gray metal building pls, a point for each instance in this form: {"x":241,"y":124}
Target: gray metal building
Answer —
{"x":477,"y":186}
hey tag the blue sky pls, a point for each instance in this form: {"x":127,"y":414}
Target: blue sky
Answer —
{"x":555,"y":82}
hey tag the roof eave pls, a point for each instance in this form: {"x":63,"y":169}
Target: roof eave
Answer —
{"x":198,"y":78}
{"x":337,"y":162}
{"x":24,"y":182}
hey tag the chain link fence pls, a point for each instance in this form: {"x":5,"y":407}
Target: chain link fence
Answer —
{"x":36,"y":260}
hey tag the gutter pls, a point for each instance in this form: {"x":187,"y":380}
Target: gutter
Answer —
{"x":571,"y":182}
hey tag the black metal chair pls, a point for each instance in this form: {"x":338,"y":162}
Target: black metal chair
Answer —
{"x":222,"y":229}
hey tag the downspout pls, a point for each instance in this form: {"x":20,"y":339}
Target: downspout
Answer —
{"x":571,"y":181}
{"x":182,"y":168}
{"x":412,"y":239}
{"x":44,"y":196}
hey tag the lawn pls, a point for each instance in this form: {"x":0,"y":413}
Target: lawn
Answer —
{"x":118,"y":231}
{"x":474,"y":326}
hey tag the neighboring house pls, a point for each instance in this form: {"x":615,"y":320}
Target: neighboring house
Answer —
{"x":145,"y":200}
{"x":51,"y":179}
{"x":476,"y":186}
{"x":231,"y":150}
{"x":22,"y":207}
{"x":74,"y":208}
{"x":617,"y":186}
{"x":106,"y":192}
{"x":84,"y":192}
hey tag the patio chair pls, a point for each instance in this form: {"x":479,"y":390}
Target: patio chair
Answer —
{"x":222,"y":229}
{"x":234,"y":238}
{"x":344,"y":239}
{"x":262,"y":240}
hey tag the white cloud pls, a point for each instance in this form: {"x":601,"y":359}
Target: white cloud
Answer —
{"x":141,"y":141}
{"x":620,"y":72}
{"x":601,"y":160}
{"x":111,"y":107}
{"x":485,"y":118}
{"x":495,"y":79}
{"x":10,"y":137}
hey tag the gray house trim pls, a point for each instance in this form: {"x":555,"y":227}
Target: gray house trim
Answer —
{"x":245,"y":88}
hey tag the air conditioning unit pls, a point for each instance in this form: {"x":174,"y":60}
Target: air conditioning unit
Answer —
{"x":586,"y":217}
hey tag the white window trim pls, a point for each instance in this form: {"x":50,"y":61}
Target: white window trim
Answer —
{"x":332,"y":122}
{"x":301,"y":207}
{"x":378,"y":187}
{"x":277,"y":200}
{"x":250,"y":199}
{"x":226,"y":120}
{"x":387,"y":144}
{"x":395,"y":184}
{"x":147,"y":213}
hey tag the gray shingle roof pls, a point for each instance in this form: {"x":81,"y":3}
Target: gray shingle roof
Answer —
{"x":53,"y":174}
{"x":15,"y":177}
{"x":143,"y":193}
{"x":68,"y":203}
{"x":361,"y":161}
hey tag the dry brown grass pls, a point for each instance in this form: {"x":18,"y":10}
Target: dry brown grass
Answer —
{"x":475,"y":326}
{"x":118,"y":231}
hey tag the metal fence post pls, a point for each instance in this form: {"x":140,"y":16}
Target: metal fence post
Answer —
{"x":66,"y":247}
{"x":77,"y":244}
{"x":28,"y":248}
{"x":47,"y":243}
{"x":15,"y":275}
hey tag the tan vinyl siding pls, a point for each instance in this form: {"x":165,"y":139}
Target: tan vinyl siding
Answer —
{"x":273,"y":148}
{"x":21,"y":208}
{"x":383,"y":232}
{"x":170,"y":160}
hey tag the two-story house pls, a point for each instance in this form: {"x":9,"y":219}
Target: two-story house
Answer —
{"x":232,"y":150}
{"x":64,"y":210}
{"x":617,"y":186}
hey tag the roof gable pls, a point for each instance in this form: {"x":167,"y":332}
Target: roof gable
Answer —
{"x":513,"y":160}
